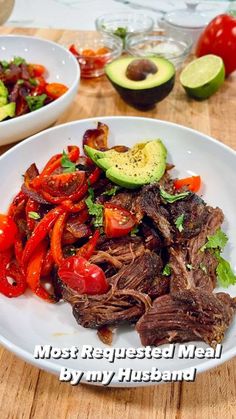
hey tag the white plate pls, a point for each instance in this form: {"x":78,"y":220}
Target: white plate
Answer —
{"x":28,"y":321}
{"x":62,"y":67}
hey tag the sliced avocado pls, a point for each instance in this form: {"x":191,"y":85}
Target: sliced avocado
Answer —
{"x":144,"y":163}
{"x":141,"y":82}
{"x":7,"y":111}
{"x":3,"y":94}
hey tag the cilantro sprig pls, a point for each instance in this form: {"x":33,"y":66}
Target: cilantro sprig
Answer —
{"x":167,"y":270}
{"x":67,"y":164}
{"x":94,"y":209}
{"x":112,"y":191}
{"x":172,"y":198}
{"x":18,"y":61}
{"x":224,"y":272}
{"x":179,"y":223}
{"x":34,"y":215}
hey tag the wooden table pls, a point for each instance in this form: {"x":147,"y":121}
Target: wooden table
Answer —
{"x":27,"y":392}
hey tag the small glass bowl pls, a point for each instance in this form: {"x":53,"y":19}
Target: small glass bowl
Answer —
{"x":91,"y":58}
{"x":122,"y":24}
{"x":151,"y":44}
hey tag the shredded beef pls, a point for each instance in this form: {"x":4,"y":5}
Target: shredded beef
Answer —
{"x":185,"y":316}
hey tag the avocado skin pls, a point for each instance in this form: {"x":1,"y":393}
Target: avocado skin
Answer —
{"x":145,"y":98}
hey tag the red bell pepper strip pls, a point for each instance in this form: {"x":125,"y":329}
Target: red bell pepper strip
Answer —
{"x":88,"y":248}
{"x":19,"y":199}
{"x":18,"y":247}
{"x":193,"y":183}
{"x":31,"y":206}
{"x":69,"y":206}
{"x":40,"y":232}
{"x":48,"y":264}
{"x":56,"y":238}
{"x":34,"y":272}
{"x":53,"y":164}
{"x":9,"y":269}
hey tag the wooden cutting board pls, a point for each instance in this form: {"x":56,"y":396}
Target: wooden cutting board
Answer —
{"x":25,"y":391}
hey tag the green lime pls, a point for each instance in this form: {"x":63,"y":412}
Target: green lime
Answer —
{"x":203,"y":76}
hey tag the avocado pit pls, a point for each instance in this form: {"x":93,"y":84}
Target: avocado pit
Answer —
{"x":139,"y":69}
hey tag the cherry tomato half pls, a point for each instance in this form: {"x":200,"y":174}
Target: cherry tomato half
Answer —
{"x":8,"y":232}
{"x":117,"y":221}
{"x":192,"y":183}
{"x":82,"y":276}
{"x":55,"y":90}
{"x":219,"y":38}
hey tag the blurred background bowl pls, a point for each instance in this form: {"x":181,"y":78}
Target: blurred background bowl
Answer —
{"x":61,"y":67}
{"x":94,"y":50}
{"x":174,"y":48}
{"x":123,"y":24}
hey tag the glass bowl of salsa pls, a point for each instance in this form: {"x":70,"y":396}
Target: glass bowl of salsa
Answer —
{"x":93,"y":51}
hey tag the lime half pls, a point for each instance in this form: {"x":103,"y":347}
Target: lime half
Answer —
{"x":203,"y":76}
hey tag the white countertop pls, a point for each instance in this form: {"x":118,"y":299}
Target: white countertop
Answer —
{"x":81,"y":14}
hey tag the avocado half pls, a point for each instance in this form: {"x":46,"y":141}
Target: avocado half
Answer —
{"x":142,"y":164}
{"x":142,"y":93}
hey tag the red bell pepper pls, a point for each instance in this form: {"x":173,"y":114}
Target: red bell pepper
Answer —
{"x":193,"y":183}
{"x":34,"y":272}
{"x":71,"y":207}
{"x":40,"y":232}
{"x":88,"y":248}
{"x":56,"y":238}
{"x":53,"y":164}
{"x":48,"y":264}
{"x":11,"y":270}
{"x":31,"y":206}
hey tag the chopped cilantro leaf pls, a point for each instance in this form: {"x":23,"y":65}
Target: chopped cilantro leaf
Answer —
{"x":189,"y":266}
{"x":4,"y":64}
{"x":172,"y":198}
{"x":134,"y":231}
{"x":217,"y":241}
{"x":225,"y":274}
{"x":112,"y":191}
{"x":35,"y":102}
{"x":34,"y":215}
{"x":18,"y":60}
{"x":167,"y":270}
{"x":33,"y":81}
{"x":94,"y":209}
{"x":179,"y":223}
{"x":67,"y":164}
{"x":20,"y":81}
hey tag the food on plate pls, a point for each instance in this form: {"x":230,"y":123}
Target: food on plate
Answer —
{"x":24,"y":88}
{"x":202,"y":77}
{"x":219,"y":38}
{"x":150,"y":256}
{"x":90,"y":60}
{"x":141,"y":82}
{"x":144,"y":163}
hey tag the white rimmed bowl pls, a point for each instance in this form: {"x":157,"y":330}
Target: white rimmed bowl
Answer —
{"x":61,"y":67}
{"x":24,"y":321}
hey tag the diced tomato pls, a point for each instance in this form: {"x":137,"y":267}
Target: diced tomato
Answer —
{"x":88,"y":53}
{"x":36,"y":70}
{"x":193,"y":183}
{"x":102,"y":51}
{"x":8,"y":231}
{"x":117,"y":221}
{"x":55,"y":90}
{"x":82,"y":276}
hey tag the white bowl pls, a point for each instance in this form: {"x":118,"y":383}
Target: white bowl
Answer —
{"x":24,"y":321}
{"x":62,"y":68}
